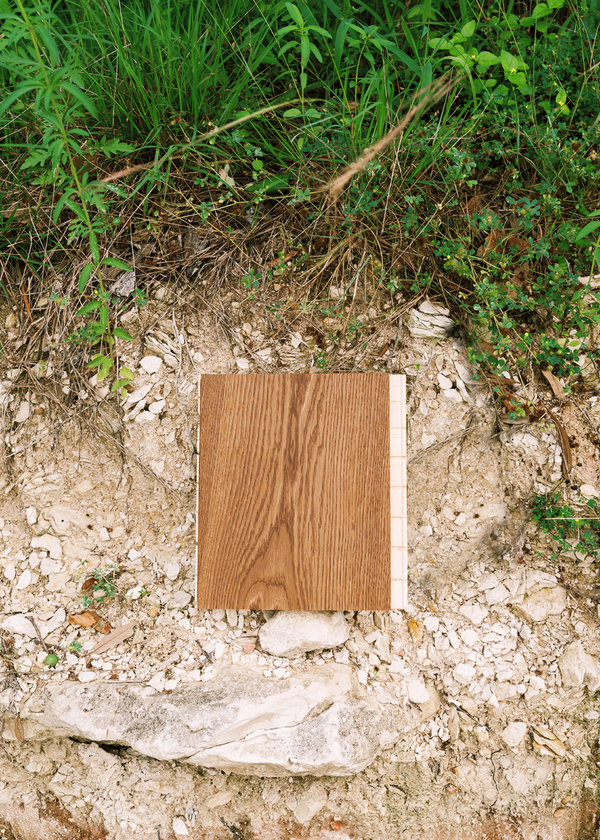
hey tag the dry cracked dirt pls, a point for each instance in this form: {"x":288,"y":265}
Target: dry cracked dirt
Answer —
{"x":470,"y":716}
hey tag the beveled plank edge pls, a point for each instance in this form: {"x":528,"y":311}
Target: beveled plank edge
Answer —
{"x":399,"y":547}
{"x":197,"y":496}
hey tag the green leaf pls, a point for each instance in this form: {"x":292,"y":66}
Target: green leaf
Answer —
{"x":82,"y":97}
{"x":540,"y":11}
{"x":468,"y":29}
{"x":119,"y":386}
{"x":111,"y":147}
{"x":94,"y":248}
{"x":85,"y":276}
{"x":104,"y":369}
{"x":511,"y":63}
{"x":315,"y":51}
{"x":23,"y":88}
{"x":561,"y":97}
{"x":556,"y":4}
{"x":295,"y":14}
{"x":285,"y":30}
{"x":340,"y":38}
{"x":88,"y":307}
{"x":304,"y":50}
{"x":487,"y":59}
{"x":97,"y":360}
{"x":104,"y":318}
{"x":587,"y":229}
{"x":116,"y":263}
{"x":49,"y":43}
{"x":518,"y":79}
{"x":122,"y":334}
{"x":292,"y":112}
{"x":126,"y":373}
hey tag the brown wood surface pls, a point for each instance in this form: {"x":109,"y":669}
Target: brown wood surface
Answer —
{"x":294,"y":492}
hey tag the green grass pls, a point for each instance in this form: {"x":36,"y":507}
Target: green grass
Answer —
{"x":486,"y":202}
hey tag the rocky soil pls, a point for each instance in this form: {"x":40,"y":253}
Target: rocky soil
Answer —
{"x":470,"y":715}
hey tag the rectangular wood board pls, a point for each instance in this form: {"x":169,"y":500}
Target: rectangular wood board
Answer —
{"x":302,"y":492}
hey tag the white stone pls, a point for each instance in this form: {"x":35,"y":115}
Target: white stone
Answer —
{"x":310,"y":803}
{"x":20,"y":625}
{"x":9,"y":571}
{"x":474,"y":612}
{"x":543,"y":603}
{"x":431,"y":623}
{"x":238,"y":720}
{"x":429,"y":308}
{"x":291,"y":633}
{"x":243,"y":364}
{"x":23,"y":412}
{"x":48,"y":566}
{"x":50,"y":544}
{"x":423,"y":325}
{"x":179,"y":827}
{"x":417,"y":691}
{"x":31,"y":514}
{"x":487,"y":582}
{"x":151,"y":364}
{"x":172,"y":570}
{"x":514,"y":733}
{"x":469,"y":636}
{"x":463,"y":673}
{"x":181,"y":599}
{"x":498,"y":595}
{"x":24,"y":579}
{"x":588,"y":490}
{"x":134,"y":593}
{"x":444,"y":382}
{"x":219,"y":799}
{"x":157,"y":682}
{"x":157,"y":406}
{"x":137,"y":396}
{"x":145,"y":417}
{"x":104,"y":535}
{"x":461,"y":518}
{"x":578,"y":668}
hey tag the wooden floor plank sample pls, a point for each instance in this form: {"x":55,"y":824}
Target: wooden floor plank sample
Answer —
{"x":294,"y":496}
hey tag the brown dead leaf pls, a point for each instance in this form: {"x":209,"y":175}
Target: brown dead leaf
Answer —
{"x":517,"y":243}
{"x":565,"y":444}
{"x":555,"y":384}
{"x":118,"y":635}
{"x":88,"y":584}
{"x":104,"y":628}
{"x":490,"y":244}
{"x":89,"y":618}
{"x":416,"y":629}
{"x":19,"y":732}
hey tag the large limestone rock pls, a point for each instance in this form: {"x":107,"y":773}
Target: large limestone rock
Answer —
{"x":291,"y":633}
{"x":578,"y":668}
{"x":319,"y":723}
{"x":542,"y":604}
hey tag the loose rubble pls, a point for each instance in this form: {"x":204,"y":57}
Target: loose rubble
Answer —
{"x":479,"y":698}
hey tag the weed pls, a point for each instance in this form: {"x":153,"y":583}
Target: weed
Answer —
{"x":101,"y":585}
{"x":574,"y":527}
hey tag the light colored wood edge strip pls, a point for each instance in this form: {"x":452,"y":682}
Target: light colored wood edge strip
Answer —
{"x":197,"y":492}
{"x":398,"y":595}
{"x":398,"y":549}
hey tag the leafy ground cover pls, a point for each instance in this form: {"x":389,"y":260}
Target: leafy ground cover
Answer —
{"x":129,"y":125}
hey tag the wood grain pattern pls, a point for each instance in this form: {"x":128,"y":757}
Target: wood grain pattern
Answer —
{"x":294,"y":492}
